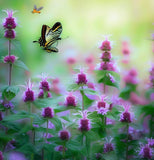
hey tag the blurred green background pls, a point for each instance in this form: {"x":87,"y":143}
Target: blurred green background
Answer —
{"x":84,"y":22}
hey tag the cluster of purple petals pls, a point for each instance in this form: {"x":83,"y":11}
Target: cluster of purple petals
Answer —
{"x":126,"y":117}
{"x":81,"y":78}
{"x":64,"y":135}
{"x":29,"y":95}
{"x":44,"y":85}
{"x":84,"y":125}
{"x":9,"y":59}
{"x":41,"y":94}
{"x":108,"y":147}
{"x":146,"y":152}
{"x":70,"y":101}
{"x":152,"y":76}
{"x":8,"y":104}
{"x":48,"y":112}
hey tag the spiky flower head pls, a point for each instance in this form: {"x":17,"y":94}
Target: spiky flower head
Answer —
{"x":48,"y":112}
{"x":10,"y":21}
{"x":145,"y":152}
{"x":151,"y":142}
{"x":9,"y":34}
{"x":106,"y":45}
{"x":64,"y":135}
{"x":29,"y":93}
{"x":81,"y":78}
{"x":70,"y":100}
{"x":84,"y":123}
{"x":126,"y":116}
{"x":106,"y":56}
{"x":44,"y":84}
{"x":108,"y":146}
{"x":109,"y":66}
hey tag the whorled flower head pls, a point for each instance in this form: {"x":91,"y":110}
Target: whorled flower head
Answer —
{"x":60,"y":148}
{"x":109,"y":66}
{"x":41,"y":94}
{"x":145,"y":152}
{"x":151,"y":142}
{"x":81,"y":78}
{"x":29,"y":93}
{"x":84,"y":123}
{"x":70,"y":100}
{"x":108,"y":146}
{"x":102,"y":107}
{"x":106,"y":56}
{"x":126,"y":116}
{"x":9,"y":34}
{"x":48,"y":112}
{"x":131,"y":77}
{"x":10,"y":21}
{"x":10,"y":59}
{"x":64,"y":135}
{"x":106,"y":45}
{"x":44,"y":84}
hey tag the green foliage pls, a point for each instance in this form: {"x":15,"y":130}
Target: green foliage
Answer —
{"x":102,"y":76}
{"x":9,"y":92}
{"x":21,"y":64}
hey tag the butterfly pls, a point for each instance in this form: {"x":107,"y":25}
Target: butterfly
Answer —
{"x":36,"y":10}
{"x":49,"y":36}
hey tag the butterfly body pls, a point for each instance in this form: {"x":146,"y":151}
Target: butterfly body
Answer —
{"x":49,"y":36}
{"x":37,"y":10}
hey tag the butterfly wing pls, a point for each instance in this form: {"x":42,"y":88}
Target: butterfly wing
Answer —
{"x":39,"y":8}
{"x":35,"y":7}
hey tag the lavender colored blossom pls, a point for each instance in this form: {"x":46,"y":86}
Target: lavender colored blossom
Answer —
{"x":60,"y":148}
{"x":10,"y":21}
{"x":48,"y":112}
{"x":84,"y":123}
{"x":64,"y":135}
{"x":8,"y":104}
{"x":152,"y":75}
{"x":108,"y":147}
{"x":16,"y":156}
{"x":102,"y":107}
{"x":44,"y":84}
{"x":111,"y":78}
{"x":98,"y":156}
{"x":146,"y":152}
{"x":106,"y":46}
{"x":70,"y":100}
{"x":81,"y":78}
{"x":41,"y":94}
{"x":151,"y":142}
{"x":9,"y":34}
{"x":1,"y":117}
{"x":109,"y":66}
{"x":10,"y":59}
{"x":126,"y":115}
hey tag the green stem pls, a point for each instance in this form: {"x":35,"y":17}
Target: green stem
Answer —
{"x":104,"y":88}
{"x":82,"y":93}
{"x":127,"y":130}
{"x":47,"y":130}
{"x":10,"y":65}
{"x":64,"y":151}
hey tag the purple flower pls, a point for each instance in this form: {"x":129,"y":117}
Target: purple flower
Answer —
{"x":106,"y":46}
{"x":126,"y":115}
{"x":145,"y":152}
{"x":102,"y":107}
{"x":10,"y":21}
{"x":84,"y":123}
{"x":9,"y":34}
{"x":44,"y":84}
{"x":125,"y":48}
{"x":1,"y":117}
{"x":152,"y":75}
{"x":10,"y":59}
{"x":48,"y":112}
{"x":29,"y":93}
{"x":16,"y":156}
{"x":106,"y":56}
{"x":70,"y":100}
{"x":108,"y":147}
{"x":8,"y":104}
{"x":81,"y":78}
{"x":151,"y":142}
{"x":98,"y":156}
{"x":1,"y":156}
{"x":71,"y":61}
{"x":41,"y":94}
{"x":60,"y":148}
{"x":107,"y":66}
{"x":111,"y":78}
{"x":64,"y":135}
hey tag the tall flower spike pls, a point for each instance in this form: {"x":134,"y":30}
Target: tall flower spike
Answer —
{"x":126,"y":115}
{"x":29,"y":93}
{"x":84,"y":123}
{"x":81,"y":78}
{"x":106,"y":46}
{"x":9,"y":34}
{"x":10,"y":21}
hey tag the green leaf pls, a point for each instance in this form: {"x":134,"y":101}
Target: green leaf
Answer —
{"x":21,"y":64}
{"x":9,"y":92}
{"x":73,"y":87}
{"x":103,"y":76}
{"x":57,"y":122}
{"x":90,"y":91}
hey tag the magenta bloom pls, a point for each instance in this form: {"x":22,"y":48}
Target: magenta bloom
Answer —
{"x":106,"y":56}
{"x":9,"y":34}
{"x":106,"y":46}
{"x":111,"y":78}
{"x":48,"y":112}
{"x":146,"y":152}
{"x":1,"y":117}
{"x":126,"y":115}
{"x":84,"y":123}
{"x":107,"y":66}
{"x":10,"y":21}
{"x":8,"y":104}
{"x":29,"y":93}
{"x":41,"y":94}
{"x":81,"y":78}
{"x":64,"y":135}
{"x":10,"y":59}
{"x":44,"y":85}
{"x":60,"y":148}
{"x":70,"y":100}
{"x":125,"y":48}
{"x":71,"y":61}
{"x":1,"y":156}
{"x":131,"y":77}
